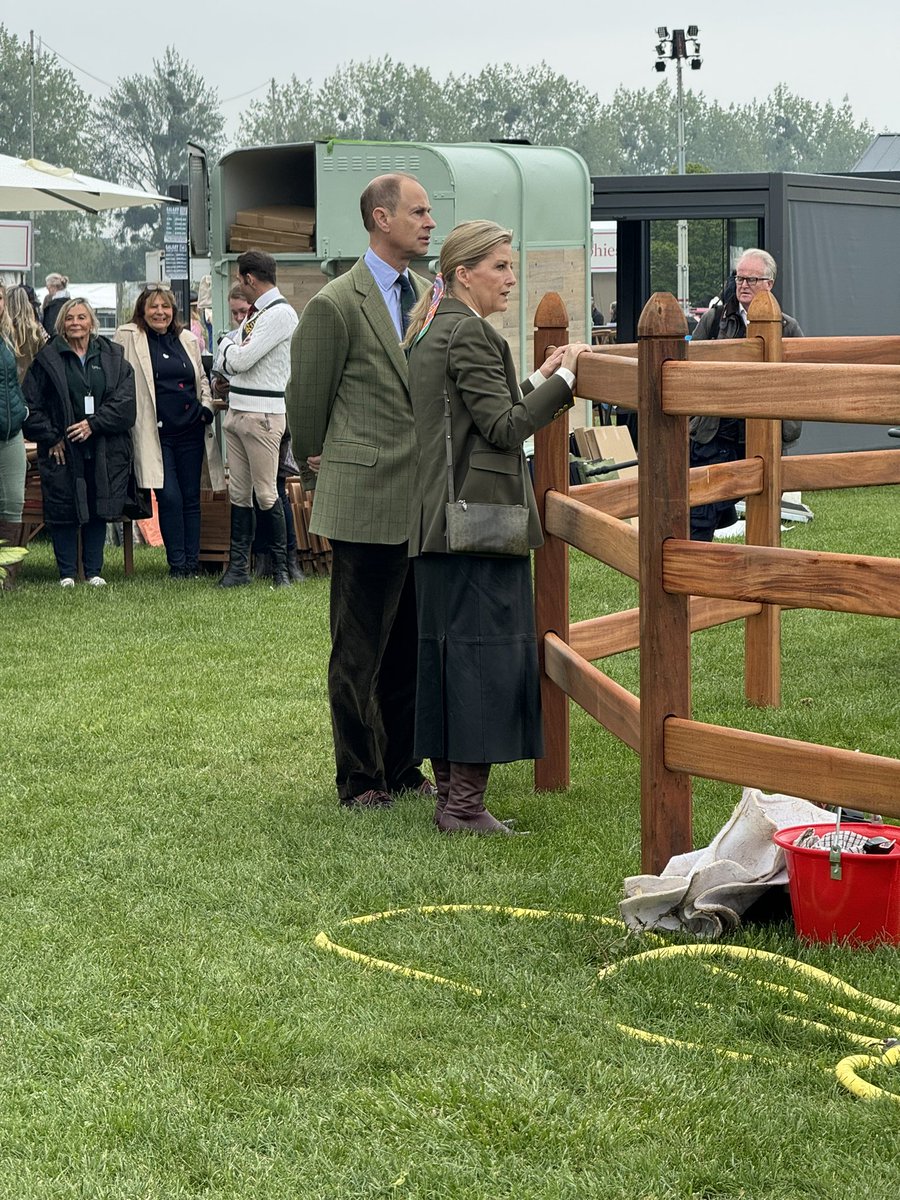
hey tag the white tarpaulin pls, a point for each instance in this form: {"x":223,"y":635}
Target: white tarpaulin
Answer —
{"x":707,"y":891}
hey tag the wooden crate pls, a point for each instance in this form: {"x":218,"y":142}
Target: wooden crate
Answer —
{"x":313,"y":552}
{"x":33,"y":510}
{"x":215,"y":527}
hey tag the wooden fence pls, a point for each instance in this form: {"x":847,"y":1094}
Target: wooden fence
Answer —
{"x":686,"y":586}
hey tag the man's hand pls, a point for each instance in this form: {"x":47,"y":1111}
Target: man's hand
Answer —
{"x":314,"y":462}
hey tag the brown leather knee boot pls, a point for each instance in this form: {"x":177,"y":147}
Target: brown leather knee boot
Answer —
{"x":441,"y":769}
{"x":464,"y":811}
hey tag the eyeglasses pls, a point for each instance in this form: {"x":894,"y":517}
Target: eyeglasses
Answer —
{"x":753,"y":280}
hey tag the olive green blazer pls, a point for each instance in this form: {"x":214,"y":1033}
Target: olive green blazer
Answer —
{"x":348,"y":400}
{"x":490,"y":418}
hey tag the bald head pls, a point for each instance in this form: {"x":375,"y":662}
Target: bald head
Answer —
{"x":397,"y":215}
{"x":382,"y":192}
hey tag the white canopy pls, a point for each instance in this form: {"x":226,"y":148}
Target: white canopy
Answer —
{"x":29,"y":185}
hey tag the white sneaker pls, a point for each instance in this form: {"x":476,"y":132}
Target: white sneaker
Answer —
{"x":97,"y":581}
{"x":67,"y":582}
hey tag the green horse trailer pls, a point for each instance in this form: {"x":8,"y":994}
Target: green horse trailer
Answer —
{"x":541,"y":193}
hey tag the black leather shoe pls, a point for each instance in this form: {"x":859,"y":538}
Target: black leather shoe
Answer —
{"x":374,"y":798}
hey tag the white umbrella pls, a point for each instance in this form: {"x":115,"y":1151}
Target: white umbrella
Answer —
{"x":29,"y":185}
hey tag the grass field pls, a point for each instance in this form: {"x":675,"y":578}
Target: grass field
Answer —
{"x":171,"y":845}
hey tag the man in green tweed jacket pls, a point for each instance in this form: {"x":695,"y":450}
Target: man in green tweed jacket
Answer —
{"x":350,"y":415}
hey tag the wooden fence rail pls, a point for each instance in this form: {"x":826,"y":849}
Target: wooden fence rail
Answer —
{"x":687,"y":586}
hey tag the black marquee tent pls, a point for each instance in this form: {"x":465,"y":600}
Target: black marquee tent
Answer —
{"x":836,"y":239}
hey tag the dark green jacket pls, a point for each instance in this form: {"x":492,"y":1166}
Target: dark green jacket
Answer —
{"x":490,"y":418}
{"x":12,"y":402}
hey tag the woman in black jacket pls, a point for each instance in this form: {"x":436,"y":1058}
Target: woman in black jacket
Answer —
{"x":80,"y":394}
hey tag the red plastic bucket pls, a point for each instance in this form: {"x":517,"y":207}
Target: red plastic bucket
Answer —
{"x":862,"y":906}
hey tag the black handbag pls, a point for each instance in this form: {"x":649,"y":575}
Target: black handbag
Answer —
{"x":473,"y":528}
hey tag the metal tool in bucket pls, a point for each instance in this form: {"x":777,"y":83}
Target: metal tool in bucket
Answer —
{"x":844,"y":882}
{"x":841,"y":842}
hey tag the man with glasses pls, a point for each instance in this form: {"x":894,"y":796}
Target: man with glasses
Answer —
{"x":721,"y":439}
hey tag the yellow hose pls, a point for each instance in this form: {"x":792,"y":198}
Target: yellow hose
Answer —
{"x":846,"y":1071}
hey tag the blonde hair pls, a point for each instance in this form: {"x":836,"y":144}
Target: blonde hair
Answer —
{"x":54,"y":279}
{"x":465,"y":246}
{"x":6,"y":329}
{"x":28,"y":334}
{"x":75,"y":302}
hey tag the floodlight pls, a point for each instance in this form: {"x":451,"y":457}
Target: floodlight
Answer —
{"x":693,"y":31}
{"x":695,"y":64}
{"x":660,"y":64}
{"x":661,"y":50}
{"x":662,"y":32}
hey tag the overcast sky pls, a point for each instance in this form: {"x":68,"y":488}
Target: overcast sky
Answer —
{"x":822,"y":51}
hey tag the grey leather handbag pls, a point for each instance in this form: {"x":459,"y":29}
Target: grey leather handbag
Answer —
{"x":476,"y":528}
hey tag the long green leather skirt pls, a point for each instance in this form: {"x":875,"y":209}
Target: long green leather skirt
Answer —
{"x":478,"y":696}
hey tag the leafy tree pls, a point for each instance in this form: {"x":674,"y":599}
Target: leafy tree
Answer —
{"x":782,"y":133}
{"x":536,"y":104}
{"x":633,"y":134}
{"x":62,"y":136}
{"x":375,"y":100}
{"x":287,"y":114}
{"x":143,"y":127}
{"x":61,"y":108}
{"x":802,"y":136}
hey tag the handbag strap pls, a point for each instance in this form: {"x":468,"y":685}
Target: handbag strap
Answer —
{"x":448,"y":438}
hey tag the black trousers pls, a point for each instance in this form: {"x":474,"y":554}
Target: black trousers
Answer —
{"x":372,"y":670}
{"x":707,"y":518}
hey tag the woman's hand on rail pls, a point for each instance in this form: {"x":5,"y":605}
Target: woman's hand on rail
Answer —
{"x":552,"y":361}
{"x":562,"y":356}
{"x":571,"y":353}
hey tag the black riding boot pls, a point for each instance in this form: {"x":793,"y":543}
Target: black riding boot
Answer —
{"x":275,"y":535}
{"x":238,"y":572}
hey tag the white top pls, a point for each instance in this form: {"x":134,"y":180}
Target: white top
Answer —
{"x":259,"y":367}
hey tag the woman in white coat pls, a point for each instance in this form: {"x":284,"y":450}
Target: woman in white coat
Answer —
{"x":173,"y":434}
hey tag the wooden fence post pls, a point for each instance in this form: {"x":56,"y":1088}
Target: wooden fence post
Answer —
{"x":762,"y":633}
{"x":664,"y":620}
{"x":551,"y":561}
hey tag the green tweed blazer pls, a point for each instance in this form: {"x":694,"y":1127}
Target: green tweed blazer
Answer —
{"x":348,"y":400}
{"x":490,"y":418}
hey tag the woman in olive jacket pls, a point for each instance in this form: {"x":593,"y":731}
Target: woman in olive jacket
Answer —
{"x":80,"y":395}
{"x":478,"y":686}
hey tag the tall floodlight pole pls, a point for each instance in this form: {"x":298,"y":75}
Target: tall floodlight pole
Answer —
{"x":31,"y":142}
{"x":675,"y":47}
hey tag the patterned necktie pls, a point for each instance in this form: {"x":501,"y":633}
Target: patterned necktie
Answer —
{"x":407,"y":300}
{"x":249,"y":322}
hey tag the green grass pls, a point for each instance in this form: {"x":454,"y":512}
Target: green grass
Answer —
{"x":171,"y":845}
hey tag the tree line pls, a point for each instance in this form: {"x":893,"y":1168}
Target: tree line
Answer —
{"x":136,"y":133}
